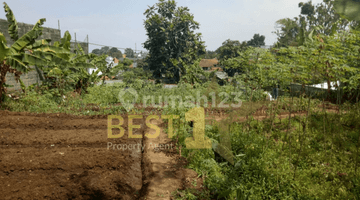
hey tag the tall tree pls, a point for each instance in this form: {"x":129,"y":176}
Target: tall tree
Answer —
{"x":102,"y":51}
{"x":170,"y":31}
{"x":291,"y":32}
{"x":129,"y":53}
{"x":96,"y":51}
{"x":348,"y":9}
{"x":230,"y":49}
{"x":209,"y":55}
{"x":114,"y":52}
{"x":257,"y":41}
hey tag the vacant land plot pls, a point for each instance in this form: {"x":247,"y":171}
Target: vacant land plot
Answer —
{"x":58,"y":156}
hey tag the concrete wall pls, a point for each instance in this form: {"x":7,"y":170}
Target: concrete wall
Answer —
{"x":31,"y":77}
{"x":48,"y":33}
{"x":28,"y":79}
{"x":84,"y":46}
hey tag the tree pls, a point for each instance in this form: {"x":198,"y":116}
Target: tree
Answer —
{"x":209,"y":55}
{"x":104,"y":50}
{"x":230,"y":49}
{"x":291,"y":32}
{"x":348,"y":9}
{"x":170,"y":31}
{"x":257,"y":41}
{"x":96,"y":51}
{"x":114,"y":52}
{"x":287,"y":31}
{"x":129,"y":53}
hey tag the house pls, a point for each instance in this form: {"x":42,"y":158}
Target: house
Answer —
{"x":209,"y":64}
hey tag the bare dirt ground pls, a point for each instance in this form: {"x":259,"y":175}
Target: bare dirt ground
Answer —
{"x":164,"y":172}
{"x":50,"y":156}
{"x":59,"y":156}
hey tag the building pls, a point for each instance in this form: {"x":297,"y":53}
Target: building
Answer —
{"x":210,"y":64}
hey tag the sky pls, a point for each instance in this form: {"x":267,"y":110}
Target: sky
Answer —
{"x":120,"y":23}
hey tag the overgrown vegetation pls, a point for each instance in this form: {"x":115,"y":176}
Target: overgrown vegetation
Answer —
{"x":313,"y":155}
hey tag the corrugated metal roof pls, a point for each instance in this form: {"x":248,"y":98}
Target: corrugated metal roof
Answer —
{"x":221,"y":75}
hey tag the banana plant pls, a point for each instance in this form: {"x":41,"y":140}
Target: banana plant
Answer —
{"x":64,"y":68}
{"x":18,"y":57}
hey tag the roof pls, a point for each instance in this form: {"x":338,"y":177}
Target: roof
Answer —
{"x":208,"y":62}
{"x":216,"y":68}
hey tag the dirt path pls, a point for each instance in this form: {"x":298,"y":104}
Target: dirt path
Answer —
{"x":163,"y":172}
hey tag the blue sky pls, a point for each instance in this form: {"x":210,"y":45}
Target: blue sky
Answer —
{"x":121,"y":23}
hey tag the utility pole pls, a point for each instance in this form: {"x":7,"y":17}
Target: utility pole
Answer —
{"x":59,"y":27}
{"x":75,"y":43}
{"x":135,"y":55}
{"x":87,"y":41}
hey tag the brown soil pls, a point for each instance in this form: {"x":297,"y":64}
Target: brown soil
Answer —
{"x":59,"y":156}
{"x":163,"y":171}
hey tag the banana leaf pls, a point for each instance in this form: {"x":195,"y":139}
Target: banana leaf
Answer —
{"x":4,"y":50}
{"x":17,"y":63}
{"x":29,"y":38}
{"x":39,"y":43}
{"x":53,"y":49}
{"x":39,"y":73}
{"x":23,"y":87}
{"x":65,"y":41}
{"x":30,"y":59}
{"x":13,"y":26}
{"x":80,"y":50}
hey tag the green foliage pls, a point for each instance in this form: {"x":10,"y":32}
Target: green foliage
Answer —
{"x":17,"y":58}
{"x":170,"y":33}
{"x":114,"y":52}
{"x":209,"y":55}
{"x":348,"y":9}
{"x":129,"y":53}
{"x":290,"y":32}
{"x":257,"y":41}
{"x":102,"y":51}
{"x":230,"y":49}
